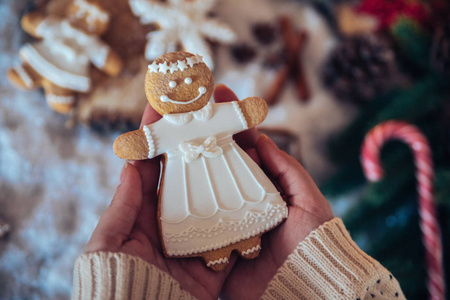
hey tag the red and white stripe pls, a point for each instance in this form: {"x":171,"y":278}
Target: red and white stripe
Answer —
{"x":429,"y":225}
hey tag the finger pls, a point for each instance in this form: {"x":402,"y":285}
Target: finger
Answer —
{"x":150,"y":116}
{"x":247,"y":139}
{"x":292,"y":178}
{"x":222,"y":93}
{"x":149,"y":169}
{"x":254,"y":155}
{"x":117,"y":222}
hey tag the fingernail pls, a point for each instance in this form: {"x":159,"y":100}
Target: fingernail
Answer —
{"x":123,"y":171}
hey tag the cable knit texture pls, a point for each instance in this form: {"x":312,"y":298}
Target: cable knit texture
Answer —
{"x":326,"y":265}
{"x":106,"y":275}
{"x":329,"y":265}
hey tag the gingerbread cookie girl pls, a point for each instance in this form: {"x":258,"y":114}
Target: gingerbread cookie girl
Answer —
{"x":60,"y":62}
{"x":213,"y":197}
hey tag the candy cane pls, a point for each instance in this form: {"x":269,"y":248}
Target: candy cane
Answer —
{"x":431,"y":233}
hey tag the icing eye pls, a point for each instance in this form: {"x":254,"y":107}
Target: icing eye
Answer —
{"x":202,"y":90}
{"x":188,"y":80}
{"x":172,"y":84}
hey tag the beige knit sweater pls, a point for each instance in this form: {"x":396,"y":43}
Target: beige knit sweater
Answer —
{"x":326,"y":265}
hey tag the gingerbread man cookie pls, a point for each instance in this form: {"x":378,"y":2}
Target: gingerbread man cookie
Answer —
{"x":60,"y":62}
{"x":213,"y":198}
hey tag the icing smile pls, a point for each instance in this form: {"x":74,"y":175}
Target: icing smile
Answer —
{"x":201,"y":91}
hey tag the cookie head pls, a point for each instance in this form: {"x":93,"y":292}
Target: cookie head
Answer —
{"x":178,"y":82}
{"x":88,"y":16}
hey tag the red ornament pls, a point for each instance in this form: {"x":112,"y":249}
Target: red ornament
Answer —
{"x":431,"y":233}
{"x":388,"y":12}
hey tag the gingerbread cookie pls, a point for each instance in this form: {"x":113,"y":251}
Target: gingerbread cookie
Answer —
{"x":181,"y":22}
{"x":104,"y":107}
{"x":213,"y":198}
{"x":60,"y":62}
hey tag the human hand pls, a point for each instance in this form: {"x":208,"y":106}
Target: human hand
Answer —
{"x":308,"y":209}
{"x":129,"y":225}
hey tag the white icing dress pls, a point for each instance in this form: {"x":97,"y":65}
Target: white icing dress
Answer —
{"x":212,"y":193}
{"x":64,"y":54}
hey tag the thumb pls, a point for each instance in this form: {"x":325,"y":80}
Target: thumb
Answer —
{"x":296,"y":183}
{"x":116,"y":223}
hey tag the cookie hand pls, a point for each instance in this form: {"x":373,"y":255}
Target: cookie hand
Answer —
{"x":131,"y":145}
{"x":113,"y":64}
{"x":31,"y":21}
{"x":254,"y":109}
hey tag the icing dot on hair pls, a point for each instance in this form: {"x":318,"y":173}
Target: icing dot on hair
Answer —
{"x":172,"y":84}
{"x":188,"y":80}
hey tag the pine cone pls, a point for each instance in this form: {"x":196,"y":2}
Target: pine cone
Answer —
{"x":359,"y":68}
{"x":440,"y":54}
{"x":265,"y":33}
{"x":243,"y":53}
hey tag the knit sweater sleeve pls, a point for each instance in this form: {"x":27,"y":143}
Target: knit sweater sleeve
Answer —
{"x":326,"y":265}
{"x":329,"y":265}
{"x":108,"y":275}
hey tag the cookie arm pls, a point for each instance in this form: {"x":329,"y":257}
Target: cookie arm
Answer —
{"x":132,"y":145}
{"x":254,"y":110}
{"x":113,"y":64}
{"x":30,"y":23}
{"x":104,"y":58}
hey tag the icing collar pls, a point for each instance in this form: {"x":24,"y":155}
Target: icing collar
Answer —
{"x":203,"y":114}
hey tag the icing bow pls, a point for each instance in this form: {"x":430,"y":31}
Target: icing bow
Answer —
{"x":208,"y":149}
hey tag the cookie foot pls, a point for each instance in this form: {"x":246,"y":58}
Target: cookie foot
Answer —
{"x":61,"y":104}
{"x":250,"y":248}
{"x":21,"y":77}
{"x":60,"y":99}
{"x":251,"y":253}
{"x":217,"y":260}
{"x":218,"y":264}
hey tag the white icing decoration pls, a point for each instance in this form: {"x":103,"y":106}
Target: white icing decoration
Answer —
{"x":251,"y":250}
{"x":238,"y":110}
{"x":68,"y":100}
{"x":24,"y":76}
{"x":92,"y":12}
{"x":210,"y":203}
{"x":153,"y":68}
{"x":173,"y":67}
{"x":151,"y":144}
{"x":193,"y":151}
{"x":201,"y":92}
{"x":64,"y":54}
{"x":99,"y":58}
{"x":212,"y":238}
{"x":250,"y":218}
{"x":223,"y":260}
{"x":163,"y":68}
{"x":203,"y":114}
{"x":182,"y":65}
{"x":172,"y":84}
{"x":178,"y":66}
{"x":181,"y":22}
{"x":188,"y":80}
